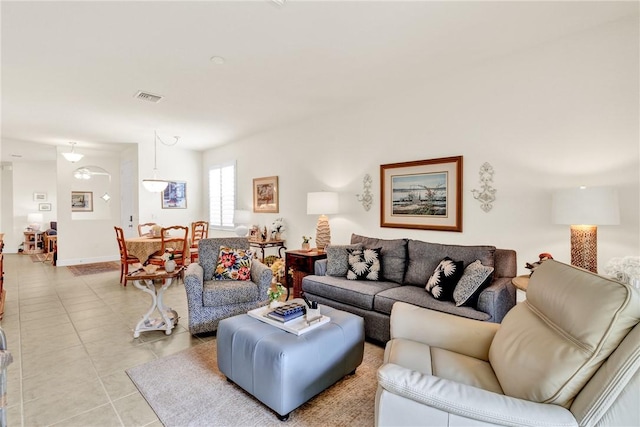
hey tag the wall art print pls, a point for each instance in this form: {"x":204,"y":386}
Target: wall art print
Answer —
{"x":422,"y":194}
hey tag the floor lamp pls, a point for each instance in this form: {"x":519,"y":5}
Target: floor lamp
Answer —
{"x":584,"y":209}
{"x":322,"y":203}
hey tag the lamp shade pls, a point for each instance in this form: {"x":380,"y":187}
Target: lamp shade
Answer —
{"x":586,"y":206}
{"x":322,"y":203}
{"x":241,"y":216}
{"x":155,"y":185}
{"x":35,"y":220}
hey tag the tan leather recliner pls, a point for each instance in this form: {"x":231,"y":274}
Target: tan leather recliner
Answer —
{"x":567,"y":356}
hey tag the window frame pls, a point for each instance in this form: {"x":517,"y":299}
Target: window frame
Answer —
{"x":220,"y":167}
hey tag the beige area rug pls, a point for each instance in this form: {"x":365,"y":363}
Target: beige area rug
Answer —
{"x":187,"y":389}
{"x":38,"y":257}
{"x":95,"y":268}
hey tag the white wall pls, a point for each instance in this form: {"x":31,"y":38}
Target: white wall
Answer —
{"x":561,"y":115}
{"x":88,"y":237}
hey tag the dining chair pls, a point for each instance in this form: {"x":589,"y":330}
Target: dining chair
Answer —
{"x":199,"y":231}
{"x":125,"y":258}
{"x":175,"y":237}
{"x":145,"y":229}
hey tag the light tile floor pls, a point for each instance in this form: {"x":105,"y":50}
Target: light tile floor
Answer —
{"x":72,"y":339}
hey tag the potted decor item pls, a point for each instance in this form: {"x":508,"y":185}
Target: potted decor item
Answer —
{"x":169,"y":262}
{"x":277,"y":228}
{"x":276,"y":290}
{"x":306,"y":246}
{"x":274,"y":293}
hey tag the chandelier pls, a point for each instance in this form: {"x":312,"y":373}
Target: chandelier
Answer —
{"x":156,"y":185}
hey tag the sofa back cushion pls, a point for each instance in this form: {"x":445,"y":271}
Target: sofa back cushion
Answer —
{"x":549,"y":346}
{"x":338,"y":259}
{"x":424,"y":257}
{"x":209,"y":250}
{"x":393,"y":253}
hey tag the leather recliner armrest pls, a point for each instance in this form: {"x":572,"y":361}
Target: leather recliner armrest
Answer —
{"x":471,"y":402}
{"x":461,"y":335}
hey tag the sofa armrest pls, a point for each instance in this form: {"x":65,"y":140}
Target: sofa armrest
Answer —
{"x":320,"y":267}
{"x":470,"y":402}
{"x":497,"y":299}
{"x":461,"y":335}
{"x":194,"y":283}
{"x":261,"y":275}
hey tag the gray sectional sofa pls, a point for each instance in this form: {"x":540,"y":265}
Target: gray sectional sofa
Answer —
{"x":406,"y":266}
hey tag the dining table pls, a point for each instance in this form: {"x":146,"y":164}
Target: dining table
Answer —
{"x":145,"y":246}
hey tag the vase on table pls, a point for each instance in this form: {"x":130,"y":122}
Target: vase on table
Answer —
{"x":169,"y":266}
{"x":306,"y":246}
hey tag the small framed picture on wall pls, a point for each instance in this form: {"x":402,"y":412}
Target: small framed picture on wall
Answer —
{"x":44,"y":207}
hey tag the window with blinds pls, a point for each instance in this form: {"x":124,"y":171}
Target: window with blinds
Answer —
{"x":222,"y":195}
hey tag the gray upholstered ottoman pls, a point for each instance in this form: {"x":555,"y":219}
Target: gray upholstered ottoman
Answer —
{"x":284,"y":370}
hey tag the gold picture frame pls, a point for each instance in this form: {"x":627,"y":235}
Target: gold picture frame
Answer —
{"x":265,"y":195}
{"x":423,"y":194}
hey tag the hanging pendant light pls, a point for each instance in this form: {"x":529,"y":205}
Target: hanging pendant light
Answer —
{"x":157,"y":185}
{"x":72,"y":156}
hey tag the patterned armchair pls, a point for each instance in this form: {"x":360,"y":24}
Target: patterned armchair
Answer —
{"x":210,"y":300}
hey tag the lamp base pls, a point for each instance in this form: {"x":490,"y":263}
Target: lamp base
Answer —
{"x":323,"y":233}
{"x":584,"y":247}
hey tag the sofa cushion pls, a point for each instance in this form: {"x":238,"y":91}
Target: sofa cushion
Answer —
{"x":385,"y":299}
{"x":569,"y":325}
{"x":475,"y":277}
{"x":424,"y":257}
{"x":338,"y":259}
{"x":358,"y":293}
{"x":394,"y":255}
{"x":364,"y":264}
{"x":444,"y":279}
{"x":233,"y":264}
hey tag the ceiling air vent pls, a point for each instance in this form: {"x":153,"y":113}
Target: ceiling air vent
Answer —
{"x":146,"y":96}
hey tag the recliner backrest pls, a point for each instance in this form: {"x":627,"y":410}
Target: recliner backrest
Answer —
{"x":549,"y":346}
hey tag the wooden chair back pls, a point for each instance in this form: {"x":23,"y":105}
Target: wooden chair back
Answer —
{"x":145,"y":229}
{"x":177,"y":238}
{"x":199,"y":231}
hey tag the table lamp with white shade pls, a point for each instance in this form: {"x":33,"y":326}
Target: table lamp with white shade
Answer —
{"x":241,"y":219}
{"x":322,"y":203}
{"x":585,"y":208}
{"x":35,"y":221}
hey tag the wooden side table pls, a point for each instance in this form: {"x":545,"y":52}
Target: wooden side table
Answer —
{"x":301,"y":264}
{"x":268,"y":244}
{"x":521,"y":283}
{"x":146,"y":283}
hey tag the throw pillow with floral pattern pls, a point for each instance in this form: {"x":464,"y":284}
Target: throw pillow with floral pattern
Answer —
{"x":233,"y":264}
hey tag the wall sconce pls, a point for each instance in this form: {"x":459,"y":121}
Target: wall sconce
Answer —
{"x":487,"y":194}
{"x":584,"y":209}
{"x":322,"y":203}
{"x":366,"y":198}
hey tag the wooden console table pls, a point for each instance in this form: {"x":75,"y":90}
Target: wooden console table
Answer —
{"x":268,"y":244}
{"x":301,"y":264}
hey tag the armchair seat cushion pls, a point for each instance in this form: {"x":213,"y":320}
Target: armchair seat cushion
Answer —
{"x":217,"y":293}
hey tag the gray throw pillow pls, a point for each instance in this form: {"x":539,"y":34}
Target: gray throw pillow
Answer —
{"x":338,"y":259}
{"x":471,"y":283}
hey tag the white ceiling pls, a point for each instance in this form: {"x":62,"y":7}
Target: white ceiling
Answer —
{"x":70,"y":70}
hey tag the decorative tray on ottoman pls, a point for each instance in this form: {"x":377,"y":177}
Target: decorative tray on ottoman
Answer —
{"x":297,"y":326}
